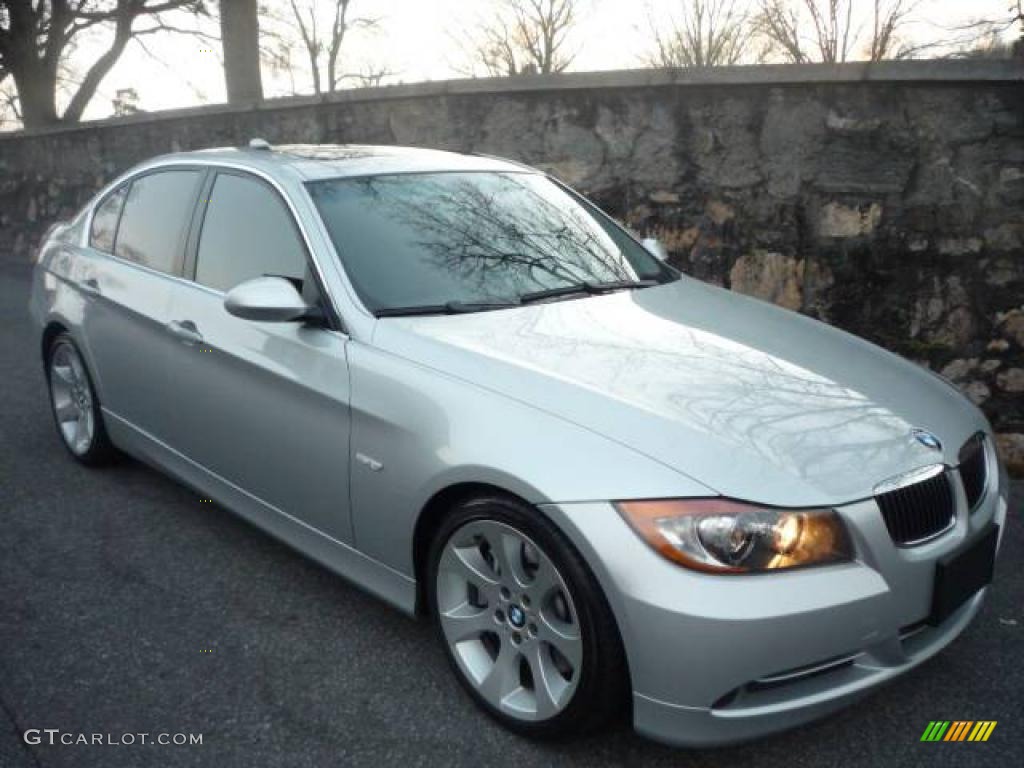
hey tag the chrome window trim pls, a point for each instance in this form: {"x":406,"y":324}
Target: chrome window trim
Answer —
{"x":209,"y":164}
{"x":156,"y":272}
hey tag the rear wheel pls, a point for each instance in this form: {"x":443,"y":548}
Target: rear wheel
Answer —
{"x":74,"y":404}
{"x":523,"y":621}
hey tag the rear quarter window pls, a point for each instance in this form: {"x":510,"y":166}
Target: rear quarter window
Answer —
{"x":104,"y":220}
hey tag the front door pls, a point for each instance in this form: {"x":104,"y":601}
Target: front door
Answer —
{"x":264,"y":406}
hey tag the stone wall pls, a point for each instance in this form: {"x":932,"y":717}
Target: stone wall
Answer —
{"x":886,"y":199}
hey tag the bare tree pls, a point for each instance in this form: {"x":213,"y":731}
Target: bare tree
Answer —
{"x":492,"y":47}
{"x":316,"y":31}
{"x":707,"y":33}
{"x":989,"y":46}
{"x":832,"y":21}
{"x":828,"y":31}
{"x":371,"y":75}
{"x":36,"y":36}
{"x":523,"y":36}
{"x":987,"y":34}
{"x":808,"y":30}
{"x":240,"y":39}
{"x":779,"y":22}
{"x":1017,"y":17}
{"x":887,"y":18}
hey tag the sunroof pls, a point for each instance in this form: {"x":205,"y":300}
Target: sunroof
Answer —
{"x":333,"y":152}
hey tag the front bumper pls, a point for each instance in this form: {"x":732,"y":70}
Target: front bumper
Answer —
{"x":719,"y":659}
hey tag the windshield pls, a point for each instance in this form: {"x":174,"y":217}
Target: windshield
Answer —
{"x":474,"y":240}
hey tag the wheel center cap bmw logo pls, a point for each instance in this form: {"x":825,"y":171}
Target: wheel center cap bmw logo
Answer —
{"x":516,"y":616}
{"x":927,"y":439}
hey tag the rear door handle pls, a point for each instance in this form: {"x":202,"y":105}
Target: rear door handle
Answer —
{"x":185,"y":330}
{"x":90,"y":286}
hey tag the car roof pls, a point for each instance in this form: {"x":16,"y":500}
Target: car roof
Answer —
{"x":328,"y":161}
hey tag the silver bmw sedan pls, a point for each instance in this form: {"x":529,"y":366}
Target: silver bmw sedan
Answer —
{"x":456,"y":382}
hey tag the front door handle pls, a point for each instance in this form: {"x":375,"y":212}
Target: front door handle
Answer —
{"x":90,"y":286}
{"x":185,"y":330}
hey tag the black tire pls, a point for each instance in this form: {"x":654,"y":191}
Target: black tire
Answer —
{"x":602,"y":693}
{"x":100,"y":450}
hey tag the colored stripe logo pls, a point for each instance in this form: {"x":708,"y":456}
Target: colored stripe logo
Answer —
{"x":958,"y":730}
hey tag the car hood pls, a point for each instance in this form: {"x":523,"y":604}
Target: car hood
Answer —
{"x":750,"y":400}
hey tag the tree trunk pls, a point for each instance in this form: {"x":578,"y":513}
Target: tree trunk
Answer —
{"x":34,"y":78}
{"x":37,"y":96}
{"x":314,"y":65}
{"x":239,"y":31}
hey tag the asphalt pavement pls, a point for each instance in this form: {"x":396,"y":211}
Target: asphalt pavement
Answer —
{"x":129,"y":606}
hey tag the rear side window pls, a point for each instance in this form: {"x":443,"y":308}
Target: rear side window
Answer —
{"x":247,"y":232}
{"x":156,"y":214}
{"x":104,"y":220}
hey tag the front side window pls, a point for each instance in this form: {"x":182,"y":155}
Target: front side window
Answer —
{"x":104,"y":220}
{"x":156,"y":215}
{"x":247,"y":232}
{"x":436,"y":239}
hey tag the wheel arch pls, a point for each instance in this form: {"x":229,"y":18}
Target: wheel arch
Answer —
{"x":432,"y":514}
{"x":53,"y":329}
{"x":56,"y":324}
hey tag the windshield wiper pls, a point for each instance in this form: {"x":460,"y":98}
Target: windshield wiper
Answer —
{"x":463,"y":307}
{"x":587,"y":287}
{"x":448,"y":308}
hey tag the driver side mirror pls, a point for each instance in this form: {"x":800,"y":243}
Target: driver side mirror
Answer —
{"x":267,"y":299}
{"x":655,"y":248}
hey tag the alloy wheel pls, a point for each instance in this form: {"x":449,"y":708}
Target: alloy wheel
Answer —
{"x":509,"y":620}
{"x":71,"y":396}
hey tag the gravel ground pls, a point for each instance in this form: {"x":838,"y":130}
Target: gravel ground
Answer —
{"x":127,"y":606}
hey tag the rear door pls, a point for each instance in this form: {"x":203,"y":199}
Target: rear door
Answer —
{"x":135,"y":254}
{"x":264,"y":406}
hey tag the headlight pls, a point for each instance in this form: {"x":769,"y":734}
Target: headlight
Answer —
{"x":723,"y":536}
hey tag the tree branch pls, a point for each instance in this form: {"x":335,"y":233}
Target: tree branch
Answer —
{"x":522,"y":36}
{"x":126,"y":13}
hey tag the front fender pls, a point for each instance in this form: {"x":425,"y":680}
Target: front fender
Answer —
{"x":417,"y":431}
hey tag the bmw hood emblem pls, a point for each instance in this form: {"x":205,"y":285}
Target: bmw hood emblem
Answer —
{"x":927,"y":439}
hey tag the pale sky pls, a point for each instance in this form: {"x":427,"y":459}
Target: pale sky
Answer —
{"x":415,"y":40}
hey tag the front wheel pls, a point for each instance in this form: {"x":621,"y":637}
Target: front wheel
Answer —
{"x":523,"y":621}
